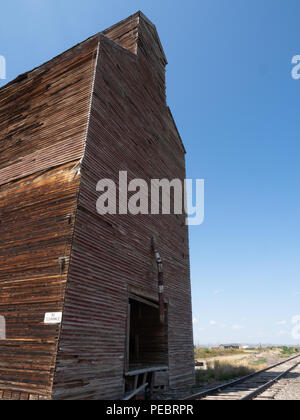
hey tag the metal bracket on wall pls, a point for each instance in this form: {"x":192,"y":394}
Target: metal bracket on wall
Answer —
{"x":62,"y":263}
{"x":160,"y":280}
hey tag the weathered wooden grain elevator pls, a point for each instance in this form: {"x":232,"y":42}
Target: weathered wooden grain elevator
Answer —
{"x":95,"y":110}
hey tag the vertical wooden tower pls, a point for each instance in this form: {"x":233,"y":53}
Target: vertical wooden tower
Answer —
{"x":95,"y":110}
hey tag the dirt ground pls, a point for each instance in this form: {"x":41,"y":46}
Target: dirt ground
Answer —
{"x":250,"y":359}
{"x":254,"y":358}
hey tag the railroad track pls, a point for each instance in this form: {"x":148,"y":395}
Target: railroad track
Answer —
{"x":251,"y":386}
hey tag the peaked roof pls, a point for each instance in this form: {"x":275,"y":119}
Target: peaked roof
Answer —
{"x":125,"y":33}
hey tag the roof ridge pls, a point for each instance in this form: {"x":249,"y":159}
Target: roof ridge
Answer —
{"x":139,"y":14}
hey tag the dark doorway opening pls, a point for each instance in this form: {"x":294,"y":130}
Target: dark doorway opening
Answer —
{"x":147,"y":348}
{"x":148,"y":338}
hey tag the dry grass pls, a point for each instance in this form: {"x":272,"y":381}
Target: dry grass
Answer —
{"x":259,"y":363}
{"x":220,"y":372}
{"x":229,"y":368}
{"x":206,"y":353}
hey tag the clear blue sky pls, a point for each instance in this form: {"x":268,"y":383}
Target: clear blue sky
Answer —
{"x":237,"y":108}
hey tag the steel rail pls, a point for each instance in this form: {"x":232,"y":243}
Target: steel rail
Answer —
{"x":218,"y":388}
{"x":264,"y":387}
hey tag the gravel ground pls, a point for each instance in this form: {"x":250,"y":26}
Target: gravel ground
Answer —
{"x":291,"y":391}
{"x":287,"y":388}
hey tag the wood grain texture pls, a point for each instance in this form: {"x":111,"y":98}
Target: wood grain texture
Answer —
{"x":43,"y":124}
{"x":130,"y":129}
{"x":64,"y":126}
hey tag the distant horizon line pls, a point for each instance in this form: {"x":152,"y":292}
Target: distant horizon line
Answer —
{"x":247,"y":344}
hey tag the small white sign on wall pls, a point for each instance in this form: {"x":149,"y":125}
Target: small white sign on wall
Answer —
{"x":53,"y":318}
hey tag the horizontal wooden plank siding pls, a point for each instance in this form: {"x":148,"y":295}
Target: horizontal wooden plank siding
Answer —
{"x":130,"y":129}
{"x":43,"y":119}
{"x":95,"y":110}
{"x":43,"y":124}
{"x":35,"y":232}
